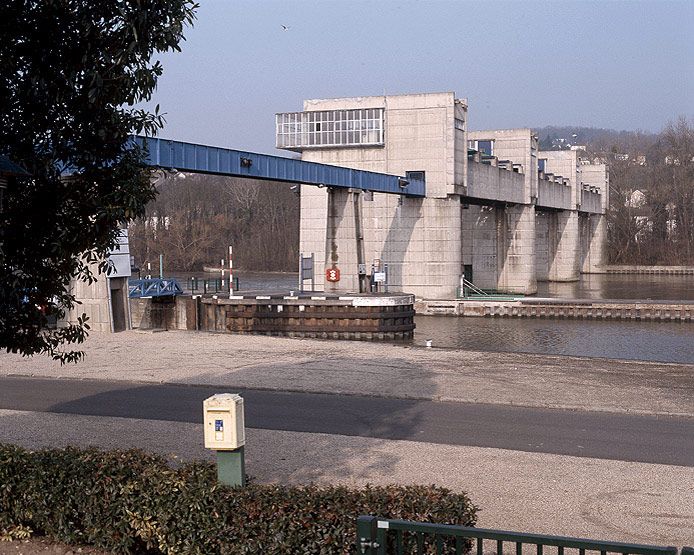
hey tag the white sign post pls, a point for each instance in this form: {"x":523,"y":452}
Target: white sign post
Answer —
{"x":231,"y":273}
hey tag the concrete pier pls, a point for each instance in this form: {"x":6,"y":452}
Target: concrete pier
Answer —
{"x":564,"y":246}
{"x":647,"y":311}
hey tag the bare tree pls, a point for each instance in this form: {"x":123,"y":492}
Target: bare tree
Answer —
{"x":196,"y":217}
{"x":661,"y":230}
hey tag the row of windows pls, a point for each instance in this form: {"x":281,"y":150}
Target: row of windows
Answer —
{"x":330,"y":138}
{"x":303,"y":127}
{"x":330,"y":128}
{"x":331,"y":115}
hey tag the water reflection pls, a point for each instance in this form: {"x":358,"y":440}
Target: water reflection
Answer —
{"x":655,"y":341}
{"x":621,"y":286}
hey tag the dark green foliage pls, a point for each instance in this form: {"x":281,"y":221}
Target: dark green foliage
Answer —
{"x":71,"y":72}
{"x":132,"y":502}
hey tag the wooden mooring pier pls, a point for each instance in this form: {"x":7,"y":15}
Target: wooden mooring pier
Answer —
{"x":316,"y":315}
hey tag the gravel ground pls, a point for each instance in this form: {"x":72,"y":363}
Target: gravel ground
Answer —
{"x":43,"y":546}
{"x":386,"y":370}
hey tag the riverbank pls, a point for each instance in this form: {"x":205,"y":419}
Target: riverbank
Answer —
{"x":382,"y":370}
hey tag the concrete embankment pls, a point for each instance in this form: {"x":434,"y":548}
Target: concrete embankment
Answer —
{"x":655,"y":270}
{"x":584,"y":309}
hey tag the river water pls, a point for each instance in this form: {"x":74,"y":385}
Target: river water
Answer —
{"x":654,"y":341}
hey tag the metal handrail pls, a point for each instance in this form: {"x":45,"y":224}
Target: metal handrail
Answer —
{"x":472,"y":287}
{"x":379,"y":536}
{"x":211,"y":285}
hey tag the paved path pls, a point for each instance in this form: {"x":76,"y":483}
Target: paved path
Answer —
{"x":638,"y":438}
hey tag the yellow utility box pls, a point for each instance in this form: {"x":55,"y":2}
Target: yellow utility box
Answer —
{"x":223,"y":421}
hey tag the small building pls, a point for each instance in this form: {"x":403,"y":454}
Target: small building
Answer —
{"x":105,"y":301}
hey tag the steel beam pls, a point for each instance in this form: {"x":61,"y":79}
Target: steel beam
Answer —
{"x":189,"y":157}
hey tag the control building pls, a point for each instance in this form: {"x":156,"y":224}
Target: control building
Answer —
{"x":497,"y":211}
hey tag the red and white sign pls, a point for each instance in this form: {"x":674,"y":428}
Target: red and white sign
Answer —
{"x":332,"y":274}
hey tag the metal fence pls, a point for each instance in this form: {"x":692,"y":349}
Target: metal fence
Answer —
{"x":379,"y":536}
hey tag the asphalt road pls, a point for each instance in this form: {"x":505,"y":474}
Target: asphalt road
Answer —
{"x":639,"y":438}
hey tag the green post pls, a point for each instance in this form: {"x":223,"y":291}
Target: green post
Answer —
{"x":231,"y":467}
{"x":367,"y":533}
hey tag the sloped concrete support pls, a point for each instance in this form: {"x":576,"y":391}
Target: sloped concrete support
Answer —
{"x":564,"y":246}
{"x":516,"y":243}
{"x":499,"y":243}
{"x":542,"y":246}
{"x":432,"y":261}
{"x":593,"y":240}
{"x":419,"y":240}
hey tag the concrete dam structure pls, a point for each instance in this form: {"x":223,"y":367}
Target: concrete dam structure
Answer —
{"x":497,"y":211}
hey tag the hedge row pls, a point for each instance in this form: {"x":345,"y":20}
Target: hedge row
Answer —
{"x":134,"y":502}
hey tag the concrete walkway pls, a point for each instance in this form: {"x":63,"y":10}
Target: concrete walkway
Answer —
{"x":557,"y":494}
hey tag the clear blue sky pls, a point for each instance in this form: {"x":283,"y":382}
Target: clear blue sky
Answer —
{"x":618,"y":64}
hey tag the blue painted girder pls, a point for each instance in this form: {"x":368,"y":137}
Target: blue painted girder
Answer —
{"x":153,"y":287}
{"x":189,"y":157}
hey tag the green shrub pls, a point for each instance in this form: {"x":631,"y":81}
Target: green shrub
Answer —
{"x":134,"y":502}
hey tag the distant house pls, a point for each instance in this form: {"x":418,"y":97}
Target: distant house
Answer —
{"x":643,"y":214}
{"x":635,"y":199}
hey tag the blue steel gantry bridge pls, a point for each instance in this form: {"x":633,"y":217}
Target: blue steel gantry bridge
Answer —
{"x":195,"y":158}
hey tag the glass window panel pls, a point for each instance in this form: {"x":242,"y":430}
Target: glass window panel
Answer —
{"x":486,"y":147}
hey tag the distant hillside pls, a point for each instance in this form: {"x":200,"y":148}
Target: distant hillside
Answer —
{"x":594,"y":138}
